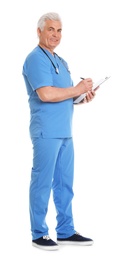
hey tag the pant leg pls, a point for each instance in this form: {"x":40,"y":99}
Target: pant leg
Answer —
{"x":45,"y":153}
{"x":63,"y":189}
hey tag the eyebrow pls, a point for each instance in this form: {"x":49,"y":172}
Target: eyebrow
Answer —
{"x":60,"y":29}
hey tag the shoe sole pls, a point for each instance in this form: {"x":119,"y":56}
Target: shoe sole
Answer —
{"x":88,"y":243}
{"x":47,"y":248}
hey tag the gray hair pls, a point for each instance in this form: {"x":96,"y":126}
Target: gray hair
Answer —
{"x":48,"y":16}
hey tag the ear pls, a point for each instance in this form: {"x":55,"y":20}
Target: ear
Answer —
{"x":38,"y":32}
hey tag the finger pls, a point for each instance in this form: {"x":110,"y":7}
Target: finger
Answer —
{"x":89,"y":96}
{"x":93,"y":93}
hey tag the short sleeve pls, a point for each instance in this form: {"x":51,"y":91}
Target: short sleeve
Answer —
{"x":37,"y":69}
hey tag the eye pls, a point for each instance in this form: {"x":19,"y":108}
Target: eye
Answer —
{"x":51,"y":29}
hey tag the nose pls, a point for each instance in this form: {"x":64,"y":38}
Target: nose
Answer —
{"x":55,"y":33}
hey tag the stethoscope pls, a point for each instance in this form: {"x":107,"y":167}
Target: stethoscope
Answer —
{"x":56,"y":68}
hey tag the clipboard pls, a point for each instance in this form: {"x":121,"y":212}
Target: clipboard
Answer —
{"x":95,"y":85}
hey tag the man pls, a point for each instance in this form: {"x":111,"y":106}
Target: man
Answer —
{"x":51,"y":93}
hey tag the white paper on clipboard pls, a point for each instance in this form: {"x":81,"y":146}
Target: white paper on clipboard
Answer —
{"x":95,"y":85}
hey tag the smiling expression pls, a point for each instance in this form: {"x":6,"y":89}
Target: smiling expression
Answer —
{"x":50,"y":36}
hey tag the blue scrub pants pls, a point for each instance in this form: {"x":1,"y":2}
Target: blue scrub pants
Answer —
{"x":53,"y":168}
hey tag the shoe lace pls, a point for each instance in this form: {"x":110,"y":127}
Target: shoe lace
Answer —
{"x":46,"y":237}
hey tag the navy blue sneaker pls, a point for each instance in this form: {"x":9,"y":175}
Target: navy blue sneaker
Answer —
{"x":45,"y":243}
{"x":75,"y":239}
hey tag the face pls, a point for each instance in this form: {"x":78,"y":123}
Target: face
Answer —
{"x":50,"y":37}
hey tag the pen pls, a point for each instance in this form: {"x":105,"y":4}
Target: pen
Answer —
{"x":82,"y":78}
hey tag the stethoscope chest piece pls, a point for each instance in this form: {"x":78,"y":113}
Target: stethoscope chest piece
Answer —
{"x":57,"y":70}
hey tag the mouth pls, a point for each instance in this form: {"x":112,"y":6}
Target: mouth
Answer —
{"x":54,"y":40}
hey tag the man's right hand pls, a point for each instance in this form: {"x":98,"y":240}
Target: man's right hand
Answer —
{"x":84,"y":86}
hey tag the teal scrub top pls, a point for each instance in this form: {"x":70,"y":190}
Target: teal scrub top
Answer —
{"x":47,"y":119}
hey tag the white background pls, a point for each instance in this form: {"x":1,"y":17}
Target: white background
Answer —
{"x":91,"y":44}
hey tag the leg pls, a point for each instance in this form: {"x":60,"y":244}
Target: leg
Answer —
{"x":45,"y":152}
{"x":63,"y":189}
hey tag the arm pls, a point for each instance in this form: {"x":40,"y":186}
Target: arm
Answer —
{"x":54,"y":94}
